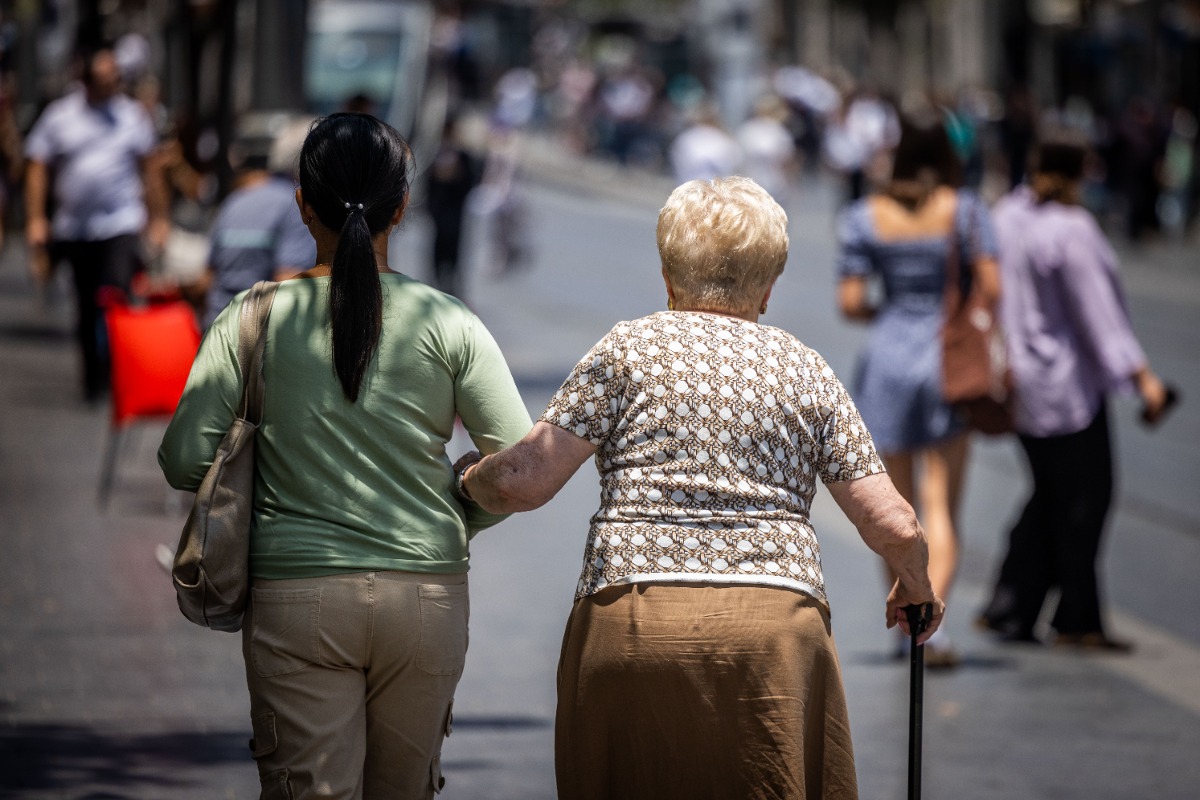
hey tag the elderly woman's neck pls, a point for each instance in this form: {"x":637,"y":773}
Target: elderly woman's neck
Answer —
{"x":749,"y":316}
{"x":676,"y":303}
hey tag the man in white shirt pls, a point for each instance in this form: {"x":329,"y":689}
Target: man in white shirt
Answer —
{"x":769,"y":152}
{"x":704,"y":150}
{"x":91,"y":152}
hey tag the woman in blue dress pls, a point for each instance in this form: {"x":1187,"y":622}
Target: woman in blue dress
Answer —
{"x":900,"y":237}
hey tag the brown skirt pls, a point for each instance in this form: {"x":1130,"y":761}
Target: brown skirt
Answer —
{"x":689,"y":691}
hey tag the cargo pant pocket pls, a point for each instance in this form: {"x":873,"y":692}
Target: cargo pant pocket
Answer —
{"x":275,"y":784}
{"x":265,"y":740}
{"x":445,"y":611}
{"x":436,"y":781}
{"x":285,"y":630}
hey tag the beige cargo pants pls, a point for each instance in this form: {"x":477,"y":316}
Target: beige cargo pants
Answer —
{"x":352,"y":681}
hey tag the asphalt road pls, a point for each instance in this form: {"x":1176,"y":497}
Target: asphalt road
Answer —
{"x":106,"y":692}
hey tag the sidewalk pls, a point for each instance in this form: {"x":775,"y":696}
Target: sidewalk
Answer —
{"x":1168,"y":266}
{"x":106,"y":692}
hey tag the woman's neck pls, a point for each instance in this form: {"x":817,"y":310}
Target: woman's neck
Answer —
{"x":749,"y":316}
{"x":327,"y":244}
{"x":322,"y":270}
{"x":327,"y":250}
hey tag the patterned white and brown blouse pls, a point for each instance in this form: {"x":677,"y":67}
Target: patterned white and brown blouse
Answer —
{"x":712,"y":432}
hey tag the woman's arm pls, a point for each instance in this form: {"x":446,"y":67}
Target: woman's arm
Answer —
{"x":526,"y":475}
{"x":986,"y":274}
{"x":855,"y":264}
{"x":489,"y":406}
{"x":980,"y":247}
{"x":852,"y":299}
{"x":208,"y":406}
{"x":888,"y":525}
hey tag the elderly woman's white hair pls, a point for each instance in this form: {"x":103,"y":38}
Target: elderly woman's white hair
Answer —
{"x":721,"y":243}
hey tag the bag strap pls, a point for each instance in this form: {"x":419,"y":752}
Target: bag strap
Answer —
{"x":958,"y":280}
{"x":252,"y":340}
{"x":952,"y":291}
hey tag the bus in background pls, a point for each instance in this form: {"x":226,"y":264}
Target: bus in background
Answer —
{"x":363,"y":55}
{"x":368,"y":55}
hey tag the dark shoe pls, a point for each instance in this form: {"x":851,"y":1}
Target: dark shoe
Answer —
{"x":1019,"y":637}
{"x":1096,"y":641}
{"x":1007,"y":629}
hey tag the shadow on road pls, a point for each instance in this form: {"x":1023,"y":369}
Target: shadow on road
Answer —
{"x":501,"y":723}
{"x":58,"y":757}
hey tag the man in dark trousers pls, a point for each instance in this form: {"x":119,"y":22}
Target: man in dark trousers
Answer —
{"x":452,"y":175}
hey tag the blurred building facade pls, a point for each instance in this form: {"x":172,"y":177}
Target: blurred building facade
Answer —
{"x":215,"y":60}
{"x":1103,"y":49}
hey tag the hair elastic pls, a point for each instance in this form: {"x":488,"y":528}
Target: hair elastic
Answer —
{"x":352,"y":207}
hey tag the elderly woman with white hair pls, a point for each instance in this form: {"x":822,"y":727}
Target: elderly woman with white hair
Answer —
{"x":698,"y":659}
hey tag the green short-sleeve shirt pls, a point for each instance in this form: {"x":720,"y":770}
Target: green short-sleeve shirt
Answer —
{"x":348,"y":487}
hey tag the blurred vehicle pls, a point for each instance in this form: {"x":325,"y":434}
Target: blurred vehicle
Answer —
{"x":371,"y":53}
{"x":360,"y":55}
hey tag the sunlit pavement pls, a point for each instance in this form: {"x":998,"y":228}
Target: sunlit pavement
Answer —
{"x":107,"y":692}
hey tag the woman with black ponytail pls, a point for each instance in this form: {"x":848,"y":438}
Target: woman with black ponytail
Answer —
{"x":356,"y":632}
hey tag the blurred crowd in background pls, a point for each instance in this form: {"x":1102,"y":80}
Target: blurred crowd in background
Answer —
{"x":607,"y":98}
{"x":614,"y":86}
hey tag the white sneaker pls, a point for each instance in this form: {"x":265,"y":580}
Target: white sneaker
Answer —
{"x":165,"y":557}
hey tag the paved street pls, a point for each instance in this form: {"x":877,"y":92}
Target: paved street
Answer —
{"x":107,"y":692}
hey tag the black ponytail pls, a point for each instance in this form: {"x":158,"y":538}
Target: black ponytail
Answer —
{"x":354,"y":173}
{"x":355,"y":304}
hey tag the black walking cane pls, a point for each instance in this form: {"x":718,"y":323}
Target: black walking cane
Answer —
{"x":918,"y":620}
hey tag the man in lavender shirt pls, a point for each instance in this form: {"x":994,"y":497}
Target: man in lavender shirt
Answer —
{"x":1071,"y":343}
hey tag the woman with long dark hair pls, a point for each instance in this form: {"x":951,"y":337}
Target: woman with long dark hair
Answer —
{"x":356,"y":631}
{"x":901,"y":236}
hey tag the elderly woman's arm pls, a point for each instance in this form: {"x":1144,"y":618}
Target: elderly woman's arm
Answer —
{"x":887,"y":523}
{"x":526,"y":475}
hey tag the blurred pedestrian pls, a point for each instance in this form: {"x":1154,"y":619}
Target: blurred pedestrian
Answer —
{"x":768,"y":149}
{"x":12,"y":158}
{"x":356,"y":631}
{"x":1018,"y":128}
{"x":452,"y":54}
{"x":699,"y":658}
{"x":813,"y":99}
{"x":573,"y":104}
{"x":258,"y":233}
{"x":1070,"y":344}
{"x":516,"y":99}
{"x":856,"y":135}
{"x":704,"y":149}
{"x":1179,"y":170}
{"x":360,"y":103}
{"x":626,"y":100}
{"x":498,"y":200}
{"x":965,"y":120}
{"x":95,"y":146}
{"x":452,"y":175}
{"x":1139,"y":148}
{"x":901,"y":237}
